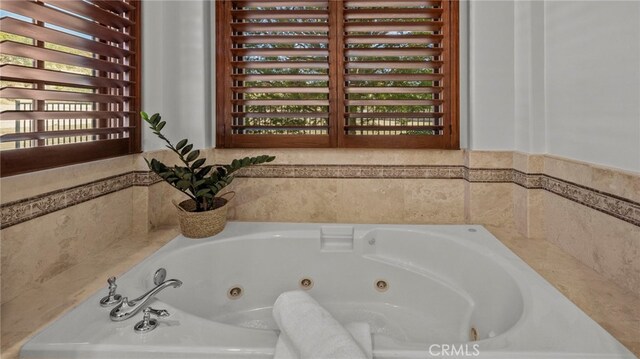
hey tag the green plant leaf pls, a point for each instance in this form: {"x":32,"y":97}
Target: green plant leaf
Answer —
{"x":183,"y":185}
{"x":181,"y":144}
{"x":193,"y":155}
{"x":155,"y":118}
{"x":198,"y":163}
{"x":203,"y":171}
{"x":186,"y":149}
{"x":160,"y":126}
{"x":202,"y":192}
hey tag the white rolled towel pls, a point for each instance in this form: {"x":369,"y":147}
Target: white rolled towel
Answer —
{"x":308,"y":331}
{"x":360,"y":331}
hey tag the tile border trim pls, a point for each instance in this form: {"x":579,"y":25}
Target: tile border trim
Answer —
{"x":20,"y":211}
{"x":16,"y":212}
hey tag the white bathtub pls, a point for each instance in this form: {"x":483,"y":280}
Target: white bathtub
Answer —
{"x":443,"y":283}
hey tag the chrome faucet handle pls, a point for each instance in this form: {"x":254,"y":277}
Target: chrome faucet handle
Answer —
{"x":147,"y":323}
{"x":158,"y":312}
{"x":128,"y":308}
{"x":112,"y":298}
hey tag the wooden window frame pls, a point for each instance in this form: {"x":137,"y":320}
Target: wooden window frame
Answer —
{"x":128,"y":95}
{"x":450,"y":139}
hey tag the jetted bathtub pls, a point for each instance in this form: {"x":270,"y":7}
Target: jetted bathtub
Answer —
{"x":426,"y":291}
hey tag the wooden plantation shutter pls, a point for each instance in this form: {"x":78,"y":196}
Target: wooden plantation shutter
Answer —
{"x":277,"y":63}
{"x":396,"y":74}
{"x":390,"y":81}
{"x":70,"y":82}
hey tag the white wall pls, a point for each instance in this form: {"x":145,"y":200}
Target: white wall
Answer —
{"x":593,"y":81}
{"x":555,"y":76}
{"x":491,"y":76}
{"x":529,"y":120}
{"x":176,"y":70}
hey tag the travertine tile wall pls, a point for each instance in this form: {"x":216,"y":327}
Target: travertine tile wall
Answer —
{"x":42,"y":248}
{"x":28,"y":185}
{"x":527,"y":193}
{"x":606,"y":244}
{"x":349,"y":200}
{"x":85,"y":214}
{"x":603,"y":242}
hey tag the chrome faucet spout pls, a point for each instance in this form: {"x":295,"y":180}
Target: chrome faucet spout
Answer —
{"x":175,"y":283}
{"x":129,"y":308}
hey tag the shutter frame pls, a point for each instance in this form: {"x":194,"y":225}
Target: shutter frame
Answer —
{"x":62,"y":125}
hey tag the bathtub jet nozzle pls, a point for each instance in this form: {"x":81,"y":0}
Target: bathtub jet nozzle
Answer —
{"x":129,"y":308}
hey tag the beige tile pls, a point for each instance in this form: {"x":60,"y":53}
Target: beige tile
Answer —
{"x":572,"y":171}
{"x":371,"y":201}
{"x":467,"y":202}
{"x":613,"y":307}
{"x":140,"y":201}
{"x":528,"y":163}
{"x":535,"y":213}
{"x":611,"y":180}
{"x":528,"y":210}
{"x":9,"y":349}
{"x":162,"y":212}
{"x":433,"y":201}
{"x":491,"y":204}
{"x":619,"y":183}
{"x":348,"y":156}
{"x":39,"y":249}
{"x":521,"y":161}
{"x":31,"y":184}
{"x":37,"y":306}
{"x":521,"y":210}
{"x":489,"y":159}
{"x":606,"y":244}
{"x":284,"y":200}
{"x":536,"y":164}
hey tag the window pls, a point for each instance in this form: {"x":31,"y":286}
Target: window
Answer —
{"x":70,"y":80}
{"x":337,"y":73}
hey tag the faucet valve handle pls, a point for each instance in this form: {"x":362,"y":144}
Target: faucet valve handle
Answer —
{"x":112,"y":298}
{"x":147,"y":323}
{"x":158,"y":312}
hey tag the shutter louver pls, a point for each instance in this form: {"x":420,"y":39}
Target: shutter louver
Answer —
{"x":279,"y":72}
{"x":69,"y":82}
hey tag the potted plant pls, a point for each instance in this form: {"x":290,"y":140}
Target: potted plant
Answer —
{"x":204,"y":214}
